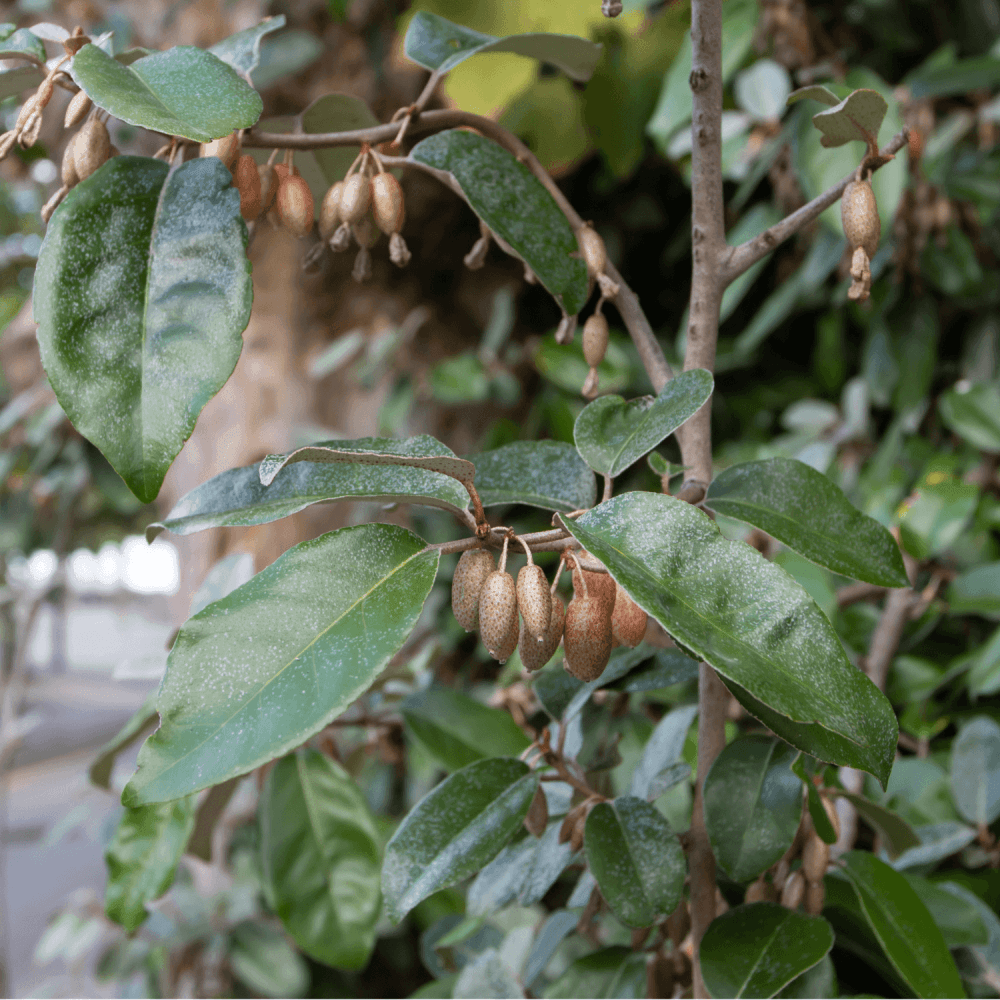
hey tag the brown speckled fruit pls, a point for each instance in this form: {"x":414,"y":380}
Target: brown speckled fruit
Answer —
{"x":509,"y":644}
{"x":859,"y":215}
{"x":69,"y":177}
{"x":586,"y":637}
{"x":355,"y":198}
{"x":815,"y":857}
{"x":226,"y":149}
{"x":471,"y":572}
{"x":247,"y":180}
{"x":757,"y":892}
{"x":387,"y":203}
{"x":815,"y":897}
{"x":534,"y":600}
{"x":600,"y":586}
{"x":329,"y":210}
{"x":592,"y":247}
{"x":295,"y":205}
{"x":595,"y":339}
{"x":534,"y":654}
{"x":91,"y":148}
{"x":628,"y":620}
{"x":77,"y":109}
{"x":498,"y":611}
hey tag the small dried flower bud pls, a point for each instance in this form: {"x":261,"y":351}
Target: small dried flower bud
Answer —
{"x":859,"y":215}
{"x":566,"y":826}
{"x":576,"y":834}
{"x":91,"y":148}
{"x":362,"y":270}
{"x":793,"y":891}
{"x":611,"y":8}
{"x":399,"y":252}
{"x":590,"y":384}
{"x":476,"y":257}
{"x":815,"y":898}
{"x":44,"y":93}
{"x":294,"y":202}
{"x":538,"y":814}
{"x":30,"y":132}
{"x":534,"y":654}
{"x":356,"y":198}
{"x":586,"y":638}
{"x":329,"y":211}
{"x":565,"y":330}
{"x":758,"y":891}
{"x":592,"y":248}
{"x":387,"y":203}
{"x":29,"y":107}
{"x":815,"y":857}
{"x":341,"y":238}
{"x":497,"y":610}
{"x":53,"y":203}
{"x":7,"y":142}
{"x":365,"y":234}
{"x":268,"y":185}
{"x":534,"y":600}
{"x":77,"y":109}
{"x":247,"y":180}
{"x":75,"y":42}
{"x":226,"y":149}
{"x":69,"y":175}
{"x":595,"y":339}
{"x":529,"y":276}
{"x":474,"y":566}
{"x":861,"y":286}
{"x":628,"y":621}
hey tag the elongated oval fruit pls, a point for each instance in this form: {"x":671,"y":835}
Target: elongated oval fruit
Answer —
{"x":91,"y":148}
{"x":628,"y":620}
{"x":474,"y":566}
{"x":757,"y":892}
{"x":815,"y":857}
{"x":69,"y":175}
{"x":600,"y":586}
{"x":509,"y":644}
{"x":595,"y":339}
{"x":294,"y":202}
{"x":815,"y":897}
{"x":586,"y":638}
{"x":387,"y":203}
{"x":831,"y":812}
{"x":859,"y":215}
{"x":534,"y":600}
{"x":356,"y":198}
{"x":268,"y":184}
{"x":226,"y":149}
{"x":497,"y":611}
{"x":592,"y":247}
{"x":246,"y":177}
{"x":329,"y":210}
{"x":535,"y":654}
{"x":77,"y":109}
{"x":794,"y":891}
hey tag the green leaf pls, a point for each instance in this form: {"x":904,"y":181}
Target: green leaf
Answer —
{"x":858,"y":116}
{"x":663,"y":751}
{"x":821,"y":822}
{"x":546,"y":864}
{"x":937,"y":842}
{"x":336,"y":113}
{"x":321,"y":857}
{"x":959,"y":920}
{"x":100,"y":769}
{"x":142,"y":858}
{"x":975,"y":770}
{"x":753,"y":804}
{"x":142,"y":292}
{"x":420,"y":452}
{"x":437,"y":44}
{"x":746,"y":617}
{"x":666,"y":668}
{"x":597,"y":975}
{"x":636,"y":858}
{"x":13,"y":82}
{"x":553,"y":932}
{"x":973,"y":412}
{"x":256,"y":674}
{"x":487,"y":976}
{"x":905,"y":929}
{"x":898,"y":835}
{"x":546,"y":474}
{"x":934,"y":517}
{"x":802,"y":508}
{"x":514,"y":204}
{"x":458,"y":730}
{"x":222,"y":579}
{"x":611,"y":434}
{"x":182,"y":91}
{"x":236,"y":498}
{"x":455,"y":830}
{"x":22,"y":42}
{"x":499,"y":883}
{"x":977,"y":591}
{"x":264,"y":961}
{"x":756,"y":949}
{"x":817,"y":92}
{"x":242,"y":50}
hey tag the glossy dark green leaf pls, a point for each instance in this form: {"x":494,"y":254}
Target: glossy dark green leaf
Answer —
{"x":420,"y":452}
{"x":499,"y":883}
{"x":459,"y":730}
{"x":455,"y":830}
{"x":99,"y":771}
{"x":546,"y":474}
{"x":755,"y":625}
{"x":237,"y":499}
{"x":856,"y":117}
{"x":977,"y":591}
{"x":753,"y":804}
{"x":262,"y":959}
{"x":636,"y":858}
{"x":143,"y":856}
{"x":663,"y":749}
{"x":904,"y":927}
{"x":959,"y":921}
{"x":321,"y":857}
{"x":666,"y":668}
{"x":757,"y":949}
{"x":898,"y":835}
{"x":611,"y":434}
{"x":256,"y":674}
{"x":819,"y":981}
{"x":973,"y":412}
{"x":242,"y":50}
{"x":975,"y":770}
{"x":514,"y":204}
{"x":802,"y":508}
{"x":182,"y":91}
{"x":142,"y":293}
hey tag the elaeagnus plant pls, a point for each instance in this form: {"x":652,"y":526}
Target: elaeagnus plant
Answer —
{"x":142,"y":293}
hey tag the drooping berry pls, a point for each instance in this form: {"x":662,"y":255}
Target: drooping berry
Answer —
{"x":592,"y":247}
{"x":77,"y":109}
{"x":815,"y":857}
{"x":294,"y":202}
{"x":474,"y":566}
{"x":498,"y":611}
{"x":246,"y":177}
{"x":534,"y":654}
{"x":268,"y":184}
{"x":628,"y":620}
{"x":91,"y":148}
{"x":387,"y":203}
{"x":793,"y":891}
{"x":356,"y":198}
{"x":226,"y":149}
{"x":329,"y":210}
{"x":595,"y":339}
{"x":586,"y":638}
{"x":509,"y":644}
{"x":534,"y":600}
{"x":860,"y":218}
{"x":69,"y":175}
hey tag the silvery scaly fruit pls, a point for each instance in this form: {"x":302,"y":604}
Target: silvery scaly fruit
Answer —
{"x":246,"y":177}
{"x":534,"y":600}
{"x":534,"y":654}
{"x":595,"y":339}
{"x":497,"y":611}
{"x":815,"y":857}
{"x":387,"y":203}
{"x":628,"y":620}
{"x":586,"y":638}
{"x":69,"y":177}
{"x":474,"y":566}
{"x":329,"y":210}
{"x":77,"y":109}
{"x":592,"y":247}
{"x":91,"y":148}
{"x":294,"y":202}
{"x":859,"y":215}
{"x":226,"y":149}
{"x":356,"y":198}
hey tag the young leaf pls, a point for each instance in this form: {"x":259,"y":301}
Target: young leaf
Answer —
{"x":911,"y":940}
{"x":663,"y":749}
{"x":546,"y":474}
{"x":858,"y":116}
{"x":636,"y":858}
{"x":237,"y":499}
{"x":142,"y":293}
{"x":421,"y":452}
{"x":455,"y":830}
{"x":256,"y":674}
{"x":142,"y":858}
{"x":437,"y":44}
{"x":183,"y":91}
{"x":973,"y":412}
{"x":242,"y":50}
{"x":802,"y":508}
{"x":975,"y":770}
{"x":821,"y":821}
{"x":753,"y":804}
{"x":514,"y":204}
{"x":101,"y":767}
{"x":321,"y":858}
{"x":816,"y":92}
{"x":756,"y":949}
{"x":611,"y":434}
{"x":755,"y":625}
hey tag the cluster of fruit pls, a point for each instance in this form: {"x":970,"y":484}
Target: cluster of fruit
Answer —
{"x":599,"y":616}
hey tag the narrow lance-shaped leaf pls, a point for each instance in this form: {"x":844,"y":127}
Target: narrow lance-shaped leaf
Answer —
{"x":514,"y":204}
{"x":256,"y":674}
{"x":802,"y":508}
{"x":546,"y":474}
{"x":142,"y":293}
{"x":756,"y":626}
